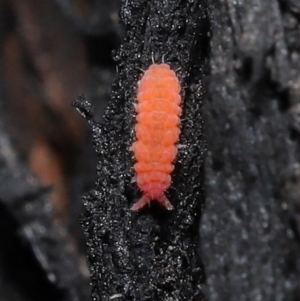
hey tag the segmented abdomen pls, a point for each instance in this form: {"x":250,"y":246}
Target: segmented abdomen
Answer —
{"x":157,"y":132}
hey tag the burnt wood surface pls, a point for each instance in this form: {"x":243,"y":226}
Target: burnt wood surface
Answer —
{"x":235,"y":231}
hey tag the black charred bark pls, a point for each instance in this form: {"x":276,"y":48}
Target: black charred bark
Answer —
{"x":250,"y":228}
{"x":245,"y":246}
{"x":149,"y":255}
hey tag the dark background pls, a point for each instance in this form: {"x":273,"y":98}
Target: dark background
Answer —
{"x":235,"y":232}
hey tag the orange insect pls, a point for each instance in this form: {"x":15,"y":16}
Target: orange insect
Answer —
{"x":157,"y":132}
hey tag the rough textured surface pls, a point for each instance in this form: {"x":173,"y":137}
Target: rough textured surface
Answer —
{"x":250,"y":228}
{"x":249,"y":233}
{"x":150,"y":255}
